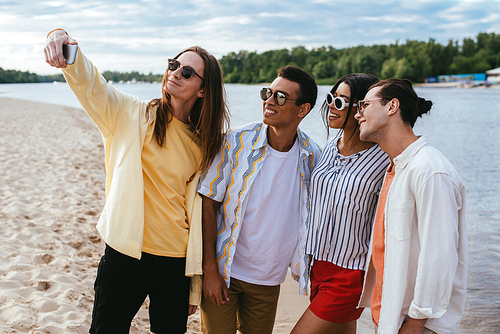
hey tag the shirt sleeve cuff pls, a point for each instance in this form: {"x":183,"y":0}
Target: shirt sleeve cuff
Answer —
{"x":195,"y":290}
{"x":207,"y":192}
{"x":417,"y":312}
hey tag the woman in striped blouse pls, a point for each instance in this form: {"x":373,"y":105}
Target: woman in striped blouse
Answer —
{"x":344,"y":193}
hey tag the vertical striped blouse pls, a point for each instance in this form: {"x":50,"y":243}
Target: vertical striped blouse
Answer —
{"x":344,"y":194}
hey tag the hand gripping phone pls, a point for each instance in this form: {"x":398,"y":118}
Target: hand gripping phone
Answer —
{"x":69,"y":53}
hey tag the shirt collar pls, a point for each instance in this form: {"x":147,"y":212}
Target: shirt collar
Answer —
{"x":262,"y":138}
{"x":303,"y":143}
{"x":301,"y":136}
{"x":404,"y":158}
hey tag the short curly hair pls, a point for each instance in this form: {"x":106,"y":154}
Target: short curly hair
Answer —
{"x":308,"y":88}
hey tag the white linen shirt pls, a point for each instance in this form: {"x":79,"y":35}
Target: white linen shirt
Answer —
{"x":229,"y":179}
{"x":425,"y":259}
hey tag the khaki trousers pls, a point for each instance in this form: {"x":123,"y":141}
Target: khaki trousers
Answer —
{"x":251,"y":309}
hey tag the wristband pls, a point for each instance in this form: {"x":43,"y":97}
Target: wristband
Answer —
{"x":55,"y":30}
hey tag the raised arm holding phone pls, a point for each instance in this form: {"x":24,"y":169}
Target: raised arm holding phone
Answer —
{"x":154,"y":153}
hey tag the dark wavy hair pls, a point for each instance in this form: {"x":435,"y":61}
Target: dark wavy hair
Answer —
{"x":359,"y":84}
{"x":308,"y":88}
{"x":410,"y":104}
{"x":209,"y":117}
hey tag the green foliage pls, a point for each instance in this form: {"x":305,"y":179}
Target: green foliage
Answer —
{"x":129,"y":76}
{"x":414,"y":60}
{"x":52,"y":78}
{"x":396,"y":68}
{"x":13,"y":76}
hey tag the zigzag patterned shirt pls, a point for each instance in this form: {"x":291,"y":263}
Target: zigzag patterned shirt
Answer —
{"x":229,"y":179}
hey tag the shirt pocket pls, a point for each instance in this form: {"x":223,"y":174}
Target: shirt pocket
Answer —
{"x":402,"y":216}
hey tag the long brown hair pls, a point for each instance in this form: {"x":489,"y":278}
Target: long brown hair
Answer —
{"x":209,"y":117}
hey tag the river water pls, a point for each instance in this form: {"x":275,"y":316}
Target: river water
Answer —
{"x":463,"y":125}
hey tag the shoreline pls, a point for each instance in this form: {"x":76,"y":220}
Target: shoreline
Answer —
{"x":456,"y":84}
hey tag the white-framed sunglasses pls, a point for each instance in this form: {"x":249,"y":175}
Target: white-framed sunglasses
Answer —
{"x":338,"y":102}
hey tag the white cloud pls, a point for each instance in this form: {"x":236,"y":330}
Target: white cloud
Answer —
{"x":266,"y":14}
{"x":226,"y":22}
{"x":53,"y":3}
{"x":392,"y":18}
{"x":492,"y":18}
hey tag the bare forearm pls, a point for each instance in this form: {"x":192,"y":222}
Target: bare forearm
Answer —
{"x":209,"y":226}
{"x":214,"y":286}
{"x":413,"y":326}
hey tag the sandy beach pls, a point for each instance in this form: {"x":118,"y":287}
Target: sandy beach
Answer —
{"x":51,"y":194}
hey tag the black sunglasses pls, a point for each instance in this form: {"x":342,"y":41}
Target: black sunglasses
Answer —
{"x":279,"y":97}
{"x":187,"y":71}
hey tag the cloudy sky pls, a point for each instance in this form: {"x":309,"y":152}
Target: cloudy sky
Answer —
{"x":141,"y":34}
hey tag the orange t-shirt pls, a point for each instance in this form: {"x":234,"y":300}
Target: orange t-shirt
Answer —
{"x":378,"y":248}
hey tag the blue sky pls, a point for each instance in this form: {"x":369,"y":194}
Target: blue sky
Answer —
{"x":141,"y":35}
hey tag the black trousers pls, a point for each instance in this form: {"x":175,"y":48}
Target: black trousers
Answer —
{"x":122,"y":284}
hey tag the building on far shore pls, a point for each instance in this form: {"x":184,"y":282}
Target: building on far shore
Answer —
{"x":473,"y":79}
{"x":493,"y":76}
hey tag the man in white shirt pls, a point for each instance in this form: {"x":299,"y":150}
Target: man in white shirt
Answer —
{"x":418,"y":267}
{"x":255,"y":210}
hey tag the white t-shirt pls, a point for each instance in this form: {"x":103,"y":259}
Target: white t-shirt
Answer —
{"x":270,"y":227}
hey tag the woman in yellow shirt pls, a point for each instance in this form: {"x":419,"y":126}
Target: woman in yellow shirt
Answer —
{"x":154,"y":152}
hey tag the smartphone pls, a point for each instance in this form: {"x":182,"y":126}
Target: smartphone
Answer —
{"x":69,"y":52}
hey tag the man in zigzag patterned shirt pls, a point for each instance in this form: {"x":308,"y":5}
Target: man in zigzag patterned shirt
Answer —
{"x":255,"y":210}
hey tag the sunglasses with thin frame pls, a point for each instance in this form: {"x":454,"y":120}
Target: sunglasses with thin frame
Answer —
{"x":279,"y":97}
{"x":187,"y":71}
{"x":338,"y":102}
{"x":364,"y":103}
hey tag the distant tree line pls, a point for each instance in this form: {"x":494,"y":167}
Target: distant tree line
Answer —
{"x":414,"y":60}
{"x":129,"y":76}
{"x":13,"y":76}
